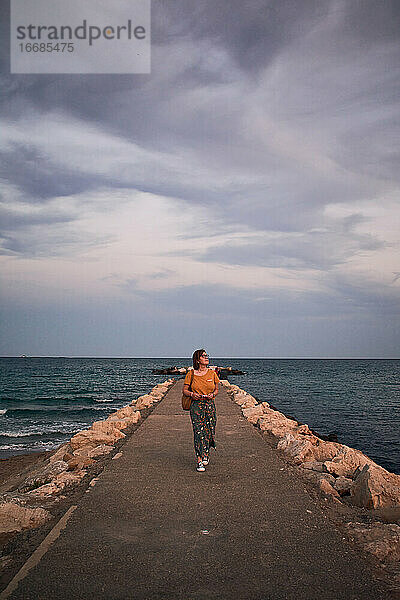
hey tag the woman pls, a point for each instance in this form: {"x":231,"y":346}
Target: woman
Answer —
{"x":201,"y":385}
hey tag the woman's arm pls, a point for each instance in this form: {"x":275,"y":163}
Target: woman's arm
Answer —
{"x":187,"y":392}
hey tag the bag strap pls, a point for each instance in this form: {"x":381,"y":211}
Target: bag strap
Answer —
{"x":191,"y":381}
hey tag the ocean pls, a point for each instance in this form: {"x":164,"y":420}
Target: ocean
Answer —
{"x":44,"y":401}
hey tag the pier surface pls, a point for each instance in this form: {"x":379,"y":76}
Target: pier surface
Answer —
{"x":152,"y":528}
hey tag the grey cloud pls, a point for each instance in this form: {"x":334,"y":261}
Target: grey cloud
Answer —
{"x":252,"y":30}
{"x":340,"y":300}
{"x":320,"y":250}
{"x":33,"y":173}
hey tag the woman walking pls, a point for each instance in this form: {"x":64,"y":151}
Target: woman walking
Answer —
{"x":201,"y":384}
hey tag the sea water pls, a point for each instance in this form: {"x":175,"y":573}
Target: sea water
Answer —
{"x":44,"y":401}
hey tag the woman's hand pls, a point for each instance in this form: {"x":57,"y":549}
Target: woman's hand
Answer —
{"x":196,"y":396}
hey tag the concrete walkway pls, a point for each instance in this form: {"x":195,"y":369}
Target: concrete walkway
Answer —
{"x":153,"y":528}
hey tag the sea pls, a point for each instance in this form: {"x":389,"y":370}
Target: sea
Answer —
{"x":44,"y":401}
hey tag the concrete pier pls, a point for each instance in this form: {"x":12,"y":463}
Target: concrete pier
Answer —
{"x":152,"y":528}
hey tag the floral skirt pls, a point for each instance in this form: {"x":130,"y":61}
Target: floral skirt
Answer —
{"x":204,"y":419}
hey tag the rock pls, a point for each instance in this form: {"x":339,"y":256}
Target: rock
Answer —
{"x":145,"y":401}
{"x":107,"y":427}
{"x":252,"y":414}
{"x":275,"y":424}
{"x":298,"y":449}
{"x":124,"y":417}
{"x":374,"y":487}
{"x":126,"y":422}
{"x":14,"y":517}
{"x":126,"y":411}
{"x":234,"y":388}
{"x":314,"y":465}
{"x":316,"y":477}
{"x":44,"y":475}
{"x":89,"y":452}
{"x":99,"y":451}
{"x":324,"y":451}
{"x":60,"y":452}
{"x":93,"y":438}
{"x":343,"y":485}
{"x":380,"y":539}
{"x":79,"y":463}
{"x":327,"y":488}
{"x":243,"y":397}
{"x":346,"y":461}
{"x":63,"y":480}
{"x":250,"y":403}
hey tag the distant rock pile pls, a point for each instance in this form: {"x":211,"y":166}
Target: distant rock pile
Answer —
{"x":221,"y":371}
{"x":340,"y":472}
{"x":28,"y":505}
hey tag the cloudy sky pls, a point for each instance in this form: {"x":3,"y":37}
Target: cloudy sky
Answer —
{"x":243,"y":197}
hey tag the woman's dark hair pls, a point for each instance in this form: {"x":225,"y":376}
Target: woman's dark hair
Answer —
{"x":196,"y":357}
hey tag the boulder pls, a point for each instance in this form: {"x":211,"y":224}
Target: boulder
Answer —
{"x":43,"y":475}
{"x":14,"y":517}
{"x":124,"y":417}
{"x":99,"y":451}
{"x":60,"y":452}
{"x":275,"y":424}
{"x":107,"y":427}
{"x":327,"y":488}
{"x":314,"y":465}
{"x":126,"y":422}
{"x":93,"y":438}
{"x":250,"y":403}
{"x":304,"y":430}
{"x":347,"y":461}
{"x":252,"y":414}
{"x":57,"y":485}
{"x":380,"y":539}
{"x":316,"y":478}
{"x":77,"y":463}
{"x":89,"y":452}
{"x":374,"y":487}
{"x":145,"y":401}
{"x":324,"y":451}
{"x":343,"y":485}
{"x":121,"y":413}
{"x":243,"y":397}
{"x":298,"y":449}
{"x":235,"y":388}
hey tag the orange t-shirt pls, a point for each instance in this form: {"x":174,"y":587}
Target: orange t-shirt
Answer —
{"x":202,"y":384}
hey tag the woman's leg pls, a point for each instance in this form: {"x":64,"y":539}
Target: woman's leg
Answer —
{"x":210,"y":422}
{"x":198,"y":422}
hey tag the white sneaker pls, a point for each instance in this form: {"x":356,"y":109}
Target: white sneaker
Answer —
{"x":200,"y":466}
{"x":205,"y":461}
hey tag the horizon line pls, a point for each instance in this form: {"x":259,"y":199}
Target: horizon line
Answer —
{"x":216,"y":357}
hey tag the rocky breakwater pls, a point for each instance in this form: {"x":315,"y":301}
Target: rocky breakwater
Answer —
{"x":344,"y":474}
{"x":29,"y":499}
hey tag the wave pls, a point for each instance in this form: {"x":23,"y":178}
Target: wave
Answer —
{"x":43,"y":432}
{"x":3,"y":411}
{"x":59,"y":409}
{"x":104,"y":400}
{"x":28,"y":447}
